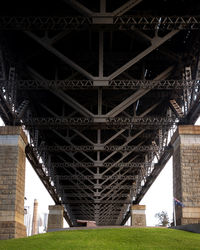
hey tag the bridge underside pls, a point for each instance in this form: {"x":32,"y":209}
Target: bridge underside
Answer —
{"x":99,"y":85}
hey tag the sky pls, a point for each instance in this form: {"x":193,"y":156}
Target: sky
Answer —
{"x":158,"y":198}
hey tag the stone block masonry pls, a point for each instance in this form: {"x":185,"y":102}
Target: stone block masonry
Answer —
{"x":55,"y":218}
{"x":12,"y":182}
{"x":186,"y":173}
{"x":138,"y":216}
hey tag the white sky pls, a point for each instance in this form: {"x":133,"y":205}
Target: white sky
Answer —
{"x":158,"y":198}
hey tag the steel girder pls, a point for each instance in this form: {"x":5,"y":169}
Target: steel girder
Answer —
{"x":84,"y":22}
{"x":105,"y":145}
{"x":113,"y":84}
{"x":112,"y":148}
{"x":107,"y":123}
{"x":100,"y":164}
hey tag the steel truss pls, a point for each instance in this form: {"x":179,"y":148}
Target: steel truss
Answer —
{"x":104,"y":159}
{"x":62,"y":122}
{"x":88,"y":84}
{"x":147,"y":121}
{"x":152,"y":84}
{"x":99,"y":177}
{"x":81,"y":22}
{"x":112,"y":148}
{"x":106,"y":187}
{"x":96,"y":201}
{"x":43,"y":23}
{"x":159,"y":23}
{"x":99,"y":164}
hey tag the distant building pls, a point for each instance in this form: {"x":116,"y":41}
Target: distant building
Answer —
{"x":28,"y":219}
{"x":45,"y":221}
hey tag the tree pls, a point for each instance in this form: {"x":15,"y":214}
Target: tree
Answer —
{"x":163,"y":218}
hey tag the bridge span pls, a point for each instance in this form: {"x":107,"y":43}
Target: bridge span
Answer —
{"x":100,"y":87}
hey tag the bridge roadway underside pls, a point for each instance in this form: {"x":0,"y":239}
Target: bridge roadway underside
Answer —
{"x":99,"y":85}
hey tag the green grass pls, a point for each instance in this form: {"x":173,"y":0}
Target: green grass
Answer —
{"x":107,"y":239}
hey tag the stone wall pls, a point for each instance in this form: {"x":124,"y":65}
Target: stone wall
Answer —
{"x":186,"y":173}
{"x":12,"y":182}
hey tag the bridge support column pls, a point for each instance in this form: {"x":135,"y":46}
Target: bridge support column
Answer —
{"x":186,"y":173}
{"x":55,"y":218}
{"x":12,"y":181}
{"x":138,"y":216}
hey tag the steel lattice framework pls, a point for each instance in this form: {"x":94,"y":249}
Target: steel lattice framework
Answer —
{"x":89,"y":84}
{"x":125,"y":22}
{"x":100,"y":87}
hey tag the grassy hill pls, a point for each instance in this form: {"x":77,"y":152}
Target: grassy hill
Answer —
{"x":107,"y":239}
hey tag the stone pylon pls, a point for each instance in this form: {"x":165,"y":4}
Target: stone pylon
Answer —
{"x":138,"y":216}
{"x":186,"y":174}
{"x":13,"y":141}
{"x":35,"y":218}
{"x":55,"y":218}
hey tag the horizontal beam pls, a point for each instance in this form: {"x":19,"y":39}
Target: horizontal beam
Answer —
{"x":100,"y":121}
{"x":97,"y":177}
{"x":104,"y":187}
{"x":98,"y":164}
{"x":80,"y":22}
{"x":89,"y":214}
{"x":112,"y":148}
{"x":96,"y":202}
{"x":159,"y":22}
{"x":81,"y":195}
{"x":89,"y":84}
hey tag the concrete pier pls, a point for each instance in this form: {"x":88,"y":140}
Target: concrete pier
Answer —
{"x":186,"y":173}
{"x":12,"y":182}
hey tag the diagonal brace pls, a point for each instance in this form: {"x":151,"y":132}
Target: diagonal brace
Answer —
{"x":126,"y":7}
{"x":79,"y":7}
{"x":156,"y":42}
{"x":60,"y":55}
{"x":135,"y":96}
